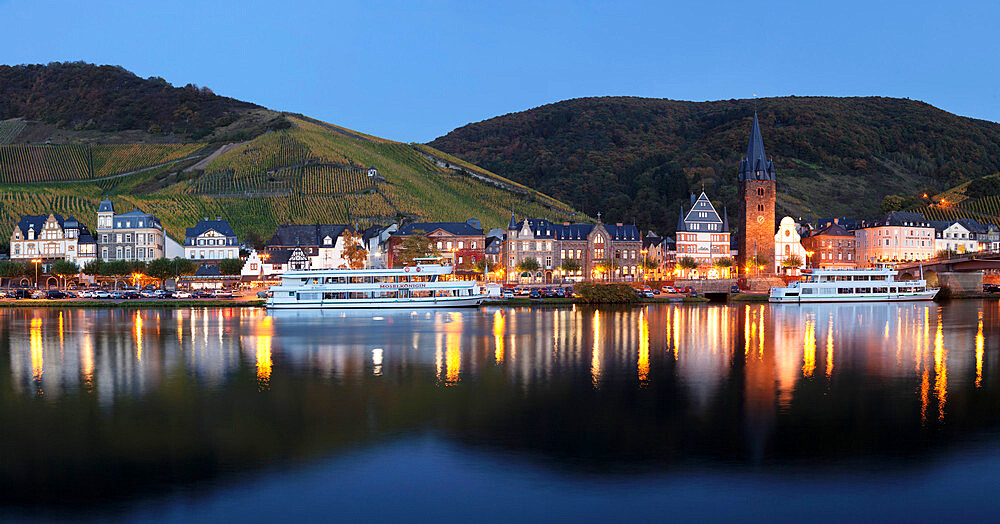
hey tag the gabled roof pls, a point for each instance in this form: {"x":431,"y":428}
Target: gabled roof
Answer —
{"x":703,"y":205}
{"x":279,"y":256}
{"x":207,"y":271}
{"x":831,"y":229}
{"x":36,"y":222}
{"x":756,"y":166}
{"x":455,"y":228}
{"x":974,"y":226}
{"x":903,"y":218}
{"x":106,"y":207}
{"x":134,"y":213}
{"x":219,"y":226}
{"x":307,"y":235}
{"x":623,"y":233}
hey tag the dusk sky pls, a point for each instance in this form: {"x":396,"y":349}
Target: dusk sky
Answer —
{"x":412,"y":71}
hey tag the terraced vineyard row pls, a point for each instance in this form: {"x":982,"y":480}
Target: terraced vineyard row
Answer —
{"x":32,"y":164}
{"x":9,"y":129}
{"x":14,"y":205}
{"x":323,"y":179}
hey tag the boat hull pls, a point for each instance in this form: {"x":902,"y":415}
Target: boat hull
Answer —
{"x":907,"y":297}
{"x":442,"y":302}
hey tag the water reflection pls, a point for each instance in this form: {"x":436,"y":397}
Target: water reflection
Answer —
{"x":585,"y":387}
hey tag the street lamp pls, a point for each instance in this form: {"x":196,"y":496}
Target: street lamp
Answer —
{"x":809,"y":255}
{"x":643,"y":268}
{"x":36,"y":261}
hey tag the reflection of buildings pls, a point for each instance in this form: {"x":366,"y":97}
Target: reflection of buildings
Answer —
{"x":774,"y":357}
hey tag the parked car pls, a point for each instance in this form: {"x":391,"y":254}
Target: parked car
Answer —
{"x":222,"y":293}
{"x":559,"y":292}
{"x":161,"y":293}
{"x":38,"y":294}
{"x":647,"y":293}
{"x":535,"y":293}
{"x":262,"y":294}
{"x":22,"y":293}
{"x":70,"y":294}
{"x":182,"y":294}
{"x":669,"y":289}
{"x":100,"y":293}
{"x":569,"y":291}
{"x":85,"y":294}
{"x":734,"y":289}
{"x":507,"y":293}
{"x":55,"y":294}
{"x":201,"y":294}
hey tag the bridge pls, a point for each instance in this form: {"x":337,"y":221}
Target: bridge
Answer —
{"x":961,"y":273}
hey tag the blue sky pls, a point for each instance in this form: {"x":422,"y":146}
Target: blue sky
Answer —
{"x":412,"y":71}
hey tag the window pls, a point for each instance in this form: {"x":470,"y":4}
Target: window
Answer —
{"x":760,"y":191}
{"x":461,"y":245}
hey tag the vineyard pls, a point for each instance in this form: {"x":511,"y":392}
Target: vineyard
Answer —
{"x":32,"y":164}
{"x":309,"y":173}
{"x":983,"y":209}
{"x":9,"y":129}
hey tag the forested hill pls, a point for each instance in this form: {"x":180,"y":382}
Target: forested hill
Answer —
{"x":84,"y":97}
{"x":639,"y":158}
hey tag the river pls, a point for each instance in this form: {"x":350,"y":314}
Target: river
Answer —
{"x":667,"y":412}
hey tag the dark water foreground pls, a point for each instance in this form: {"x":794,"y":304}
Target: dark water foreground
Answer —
{"x":749,"y":412}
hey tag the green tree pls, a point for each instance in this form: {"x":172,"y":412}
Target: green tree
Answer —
{"x":160,"y":269}
{"x":94,"y":268}
{"x":481,"y":265}
{"x":649,"y":264}
{"x":118,"y":269}
{"x":64,"y":269}
{"x":230,"y":266}
{"x":414,"y":246}
{"x":570,"y":265}
{"x":723,"y":263}
{"x":11,"y":269}
{"x":528,"y":264}
{"x":184,"y":267}
{"x":687,"y":263}
{"x":892,"y":203}
{"x":792,"y":261}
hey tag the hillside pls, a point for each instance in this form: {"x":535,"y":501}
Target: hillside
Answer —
{"x":257,"y":171}
{"x":639,"y":158}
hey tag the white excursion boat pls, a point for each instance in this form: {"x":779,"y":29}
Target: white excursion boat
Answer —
{"x":416,"y":286}
{"x":851,"y":285}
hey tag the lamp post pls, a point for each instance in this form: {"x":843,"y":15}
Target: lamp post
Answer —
{"x":809,"y":255}
{"x":36,"y":261}
{"x":643,"y":269}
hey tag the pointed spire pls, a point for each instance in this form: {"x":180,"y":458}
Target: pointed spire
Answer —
{"x":680,"y":221}
{"x":756,"y":166}
{"x":725,"y":219}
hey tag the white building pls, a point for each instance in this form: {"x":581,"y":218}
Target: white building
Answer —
{"x":211,"y":240}
{"x":788,"y":242}
{"x":954,"y":237}
{"x":704,"y":236}
{"x":52,"y":238}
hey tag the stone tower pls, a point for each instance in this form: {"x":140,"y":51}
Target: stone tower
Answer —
{"x":757,"y":193}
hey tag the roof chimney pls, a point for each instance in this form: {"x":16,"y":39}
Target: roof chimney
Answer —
{"x":836,"y":221}
{"x":619,"y":224}
{"x":218,"y":219}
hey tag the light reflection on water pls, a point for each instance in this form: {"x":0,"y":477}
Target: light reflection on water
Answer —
{"x":580,"y":389}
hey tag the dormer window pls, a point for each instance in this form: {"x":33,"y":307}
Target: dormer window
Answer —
{"x":328,"y":241}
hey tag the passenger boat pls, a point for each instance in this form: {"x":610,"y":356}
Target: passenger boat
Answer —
{"x":851,"y":285}
{"x":423,"y":285}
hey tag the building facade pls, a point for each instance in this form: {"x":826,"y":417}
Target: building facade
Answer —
{"x":897,"y":237}
{"x":788,"y":244}
{"x":757,"y":197}
{"x":953,"y":237}
{"x":598,"y":251}
{"x":211,"y":240}
{"x":462,"y":243}
{"x":323,"y":244}
{"x":830,"y":247}
{"x":704,"y":236}
{"x":52,"y":238}
{"x":130,"y":236}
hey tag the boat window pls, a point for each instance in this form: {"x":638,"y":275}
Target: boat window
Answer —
{"x":878,"y":277}
{"x":385,"y":279}
{"x":845,"y":290}
{"x":807,"y":291}
{"x":791,"y":294}
{"x":403,"y":278}
{"x":421,"y":293}
{"x":359,"y":295}
{"x":893,"y":290}
{"x":442,"y":293}
{"x":357,"y":280}
{"x":864,"y":290}
{"x":309,"y":296}
{"x":315,"y":281}
{"x":880,"y":290}
{"x":860,"y":277}
{"x":336,"y":280}
{"x":418,"y":278}
{"x":369,"y":280}
{"x":918,"y":289}
{"x":336,"y":295}
{"x":386,"y":294}
{"x":828,"y":290}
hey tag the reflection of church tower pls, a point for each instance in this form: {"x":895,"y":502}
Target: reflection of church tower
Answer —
{"x":757,"y":193}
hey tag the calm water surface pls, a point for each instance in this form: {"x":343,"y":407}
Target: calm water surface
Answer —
{"x":749,"y":412}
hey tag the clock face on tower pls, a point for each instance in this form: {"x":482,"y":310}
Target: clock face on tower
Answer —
{"x":760,"y":220}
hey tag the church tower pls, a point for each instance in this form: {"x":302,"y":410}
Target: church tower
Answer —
{"x":756,"y":193}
